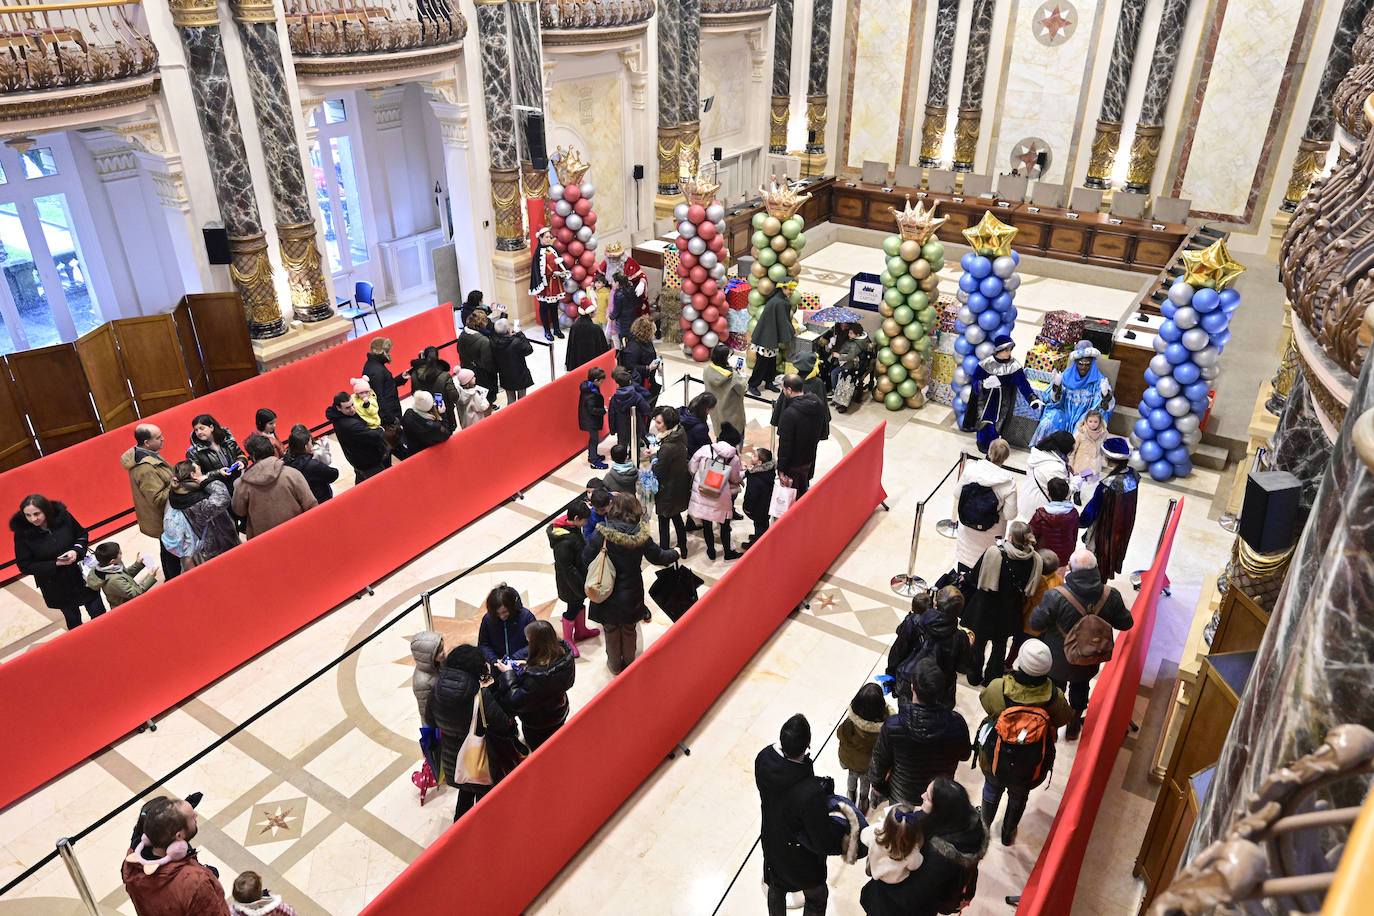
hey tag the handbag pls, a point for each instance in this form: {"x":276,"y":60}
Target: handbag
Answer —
{"x":675,"y":590}
{"x":472,"y":766}
{"x":712,"y":479}
{"x":600,"y":576}
{"x":783,"y":498}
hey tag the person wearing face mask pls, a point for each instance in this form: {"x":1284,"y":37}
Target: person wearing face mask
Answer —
{"x":363,"y":446}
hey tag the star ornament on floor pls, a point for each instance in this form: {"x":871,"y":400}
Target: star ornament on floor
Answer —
{"x":991,"y":237}
{"x":279,"y":820}
{"x":1211,"y":267}
{"x":1055,"y":23}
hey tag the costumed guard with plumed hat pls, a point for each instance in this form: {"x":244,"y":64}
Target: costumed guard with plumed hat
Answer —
{"x":1109,"y":516}
{"x":995,"y":384}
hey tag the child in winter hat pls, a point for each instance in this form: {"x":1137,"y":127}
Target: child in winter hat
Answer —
{"x":365,"y":402}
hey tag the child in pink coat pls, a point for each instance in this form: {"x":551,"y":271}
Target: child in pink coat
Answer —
{"x":715,"y":467}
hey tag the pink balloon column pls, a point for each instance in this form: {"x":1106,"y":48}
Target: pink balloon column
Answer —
{"x":574,"y":223}
{"x":701,"y":265}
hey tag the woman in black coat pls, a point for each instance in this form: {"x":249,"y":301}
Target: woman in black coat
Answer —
{"x":1003,"y":578}
{"x":640,"y":357}
{"x":48,"y":545}
{"x":215,"y":450}
{"x":509,"y":351}
{"x":674,"y":480}
{"x":625,"y":535}
{"x":537,"y":692}
{"x":586,"y":340}
{"x":300,"y":454}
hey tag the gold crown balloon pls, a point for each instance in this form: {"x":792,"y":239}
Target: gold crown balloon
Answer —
{"x":569,"y":166}
{"x":696,"y":189}
{"x":990,"y":233}
{"x":1211,"y":266}
{"x":781,"y":201}
{"x":917,"y":224}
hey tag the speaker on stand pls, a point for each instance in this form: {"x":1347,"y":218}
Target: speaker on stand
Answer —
{"x":638,"y":176}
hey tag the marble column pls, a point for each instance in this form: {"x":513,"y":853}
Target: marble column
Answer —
{"x":975,"y":75}
{"x":817,"y":78}
{"x":1150,"y":125}
{"x":1321,"y":121}
{"x":197,"y":21}
{"x":494,"y":47}
{"x":937,"y":96}
{"x":689,"y":82}
{"x":782,"y":77}
{"x":529,"y":89}
{"x":1107,"y":138}
{"x":300,"y":254}
{"x":669,"y":82}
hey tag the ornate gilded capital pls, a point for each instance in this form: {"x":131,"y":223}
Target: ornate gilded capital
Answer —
{"x":777,"y":125}
{"x":505,"y":199}
{"x":816,"y":106}
{"x":1106,"y":141}
{"x":535,"y":181}
{"x":689,"y":145}
{"x":933,"y":134}
{"x":667,"y":160}
{"x":966,"y":138}
{"x":251,"y":271}
{"x":253,"y":10}
{"x":1144,"y":155}
{"x":301,"y":258}
{"x":1307,"y":164}
{"x":190,"y":14}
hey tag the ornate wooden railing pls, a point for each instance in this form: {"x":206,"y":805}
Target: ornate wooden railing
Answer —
{"x":56,"y":45}
{"x":338,"y":27}
{"x":593,"y":14}
{"x":1348,"y":100}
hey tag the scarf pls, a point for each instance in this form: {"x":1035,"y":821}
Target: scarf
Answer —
{"x":623,"y":467}
{"x":990,"y":570}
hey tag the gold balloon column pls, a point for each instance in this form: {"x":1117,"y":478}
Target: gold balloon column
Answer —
{"x":910,"y":290}
{"x":777,"y":246}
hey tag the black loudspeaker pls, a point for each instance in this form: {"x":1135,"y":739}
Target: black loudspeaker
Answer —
{"x":1269,"y":516}
{"x":716,"y":154}
{"x":810,"y":136}
{"x":1100,"y":332}
{"x":533,"y":126}
{"x":639,"y":173}
{"x":217,"y":245}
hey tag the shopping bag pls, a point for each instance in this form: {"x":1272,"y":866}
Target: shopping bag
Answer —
{"x":472,"y":766}
{"x":844,"y":391}
{"x":675,"y":590}
{"x":783,"y":498}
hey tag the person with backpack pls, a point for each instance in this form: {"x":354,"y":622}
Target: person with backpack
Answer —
{"x":984,"y":502}
{"x":1006,"y":574}
{"x":716,"y":470}
{"x":196,"y":525}
{"x":937,"y":635}
{"x":1016,"y":741}
{"x":1076,"y":621}
{"x":793,"y":800}
{"x":955,"y":841}
{"x":923,"y":740}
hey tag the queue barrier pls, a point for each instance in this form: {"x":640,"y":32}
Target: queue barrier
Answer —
{"x":1050,"y":888}
{"x":624,"y":733}
{"x":69,"y":697}
{"x":87,"y":476}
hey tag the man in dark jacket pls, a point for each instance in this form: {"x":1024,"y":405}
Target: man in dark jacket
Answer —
{"x":803,"y":425}
{"x":363,"y":447}
{"x":793,"y":801}
{"x":812,"y":383}
{"x":423,"y":424}
{"x":923,"y":740}
{"x":383,"y":382}
{"x":1056,"y":615}
{"x":932,"y":632}
{"x":509,"y":349}
{"x":627,"y":395}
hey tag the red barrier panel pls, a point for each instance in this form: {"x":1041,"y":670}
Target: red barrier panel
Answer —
{"x":71,"y":696}
{"x":1052,"y":882}
{"x":87,"y":476}
{"x":486,"y":859}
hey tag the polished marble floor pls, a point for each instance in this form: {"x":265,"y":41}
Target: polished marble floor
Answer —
{"x":316,"y":794}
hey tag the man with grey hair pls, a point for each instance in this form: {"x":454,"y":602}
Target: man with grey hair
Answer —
{"x":1082,"y":594}
{"x":150,"y":479}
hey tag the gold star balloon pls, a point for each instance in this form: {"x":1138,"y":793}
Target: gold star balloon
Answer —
{"x":1211,"y":267}
{"x":991,"y":236}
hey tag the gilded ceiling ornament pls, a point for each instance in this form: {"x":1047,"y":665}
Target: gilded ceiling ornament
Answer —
{"x":1211,"y":266}
{"x":917,"y":224}
{"x":990,"y":236}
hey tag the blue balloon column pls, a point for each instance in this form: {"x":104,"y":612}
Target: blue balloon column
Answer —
{"x":986,"y":291}
{"x":1187,"y":353}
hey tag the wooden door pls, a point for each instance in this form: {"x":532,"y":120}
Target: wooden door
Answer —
{"x":100,"y":359}
{"x":16,"y":441}
{"x":152,"y":353}
{"x":190,"y":348}
{"x":53,"y":391}
{"x":222,"y":330}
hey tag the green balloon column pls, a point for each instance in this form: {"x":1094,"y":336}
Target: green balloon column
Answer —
{"x":910,"y":293}
{"x":777,"y":245}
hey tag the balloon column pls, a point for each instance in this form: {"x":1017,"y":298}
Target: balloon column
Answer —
{"x":1187,"y":349}
{"x":701,"y":265}
{"x":986,"y":290}
{"x":777,"y":245}
{"x":574,"y":222}
{"x":909,"y":291}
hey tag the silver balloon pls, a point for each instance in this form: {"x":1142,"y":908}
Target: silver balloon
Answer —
{"x":1188,"y":425}
{"x":960,"y":377}
{"x":1208,"y":372}
{"x":706,"y":259}
{"x":1177,"y":407}
{"x":966,"y":315}
{"x":715,"y":213}
{"x":584,"y":235}
{"x":574,"y":222}
{"x":1195,"y":339}
{"x":1160,"y":344}
{"x":1136,"y":462}
{"x":686,"y":299}
{"x":562,"y":207}
{"x":710,"y":339}
{"x":696,"y":246}
{"x":1003,"y":267}
{"x":1206,"y":358}
{"x":1168,"y":386}
{"x":1134,"y":440}
{"x":689,"y":313}
{"x":961,"y":296}
{"x":556,"y":192}
{"x":588,"y":190}
{"x":1161,"y":366}
{"x":591,"y":242}
{"x":1180,"y":293}
{"x":1011,"y":283}
{"x":700,"y":327}
{"x":975,"y":335}
{"x":983,"y":350}
{"x":718,"y":272}
{"x":1185,"y":317}
{"x":966,"y":393}
{"x":686,"y":230}
{"x":720,"y":227}
{"x":680,"y":212}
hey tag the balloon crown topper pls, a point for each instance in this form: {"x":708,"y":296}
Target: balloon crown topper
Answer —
{"x":569,"y":166}
{"x":781,"y":201}
{"x":918,"y":224}
{"x":1211,"y":267}
{"x":696,"y":189}
{"x":991,"y":237}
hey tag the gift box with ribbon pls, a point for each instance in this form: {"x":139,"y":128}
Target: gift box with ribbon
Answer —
{"x":670,"y":262}
{"x":942,"y":367}
{"x":1061,"y":329}
{"x":1045,"y":358}
{"x":737,"y":293}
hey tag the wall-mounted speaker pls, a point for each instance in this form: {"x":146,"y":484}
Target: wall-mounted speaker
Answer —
{"x":716,"y":154}
{"x":639,"y":172}
{"x":810,"y":136}
{"x":1269,"y":515}
{"x":532,"y":126}
{"x":217,"y":245}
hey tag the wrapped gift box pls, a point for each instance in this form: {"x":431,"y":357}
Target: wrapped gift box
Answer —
{"x":1044,"y":358}
{"x":738,"y":340}
{"x":941,"y":393}
{"x":811,"y":302}
{"x":737,"y":294}
{"x":945,"y":312}
{"x":670,"y":262}
{"x":1062,"y":329}
{"x":738,"y":319}
{"x":942,"y":367}
{"x":1041,"y":390}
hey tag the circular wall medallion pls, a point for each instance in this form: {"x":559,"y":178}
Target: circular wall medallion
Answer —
{"x":1031,"y":157}
{"x":1054,"y":22}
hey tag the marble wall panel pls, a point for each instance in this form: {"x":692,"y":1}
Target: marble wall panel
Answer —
{"x":726,"y":74}
{"x":881,"y":45}
{"x":589,"y":112}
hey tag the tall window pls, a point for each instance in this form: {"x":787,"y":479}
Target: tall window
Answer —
{"x":336,"y":186}
{"x":46,"y":297}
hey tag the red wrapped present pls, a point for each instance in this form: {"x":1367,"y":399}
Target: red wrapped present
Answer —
{"x":737,"y":293}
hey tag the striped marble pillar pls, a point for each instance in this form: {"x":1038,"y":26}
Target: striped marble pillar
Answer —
{"x":529,"y":93}
{"x":689,"y":82}
{"x":817,"y":78}
{"x":1107,"y":138}
{"x":1150,"y":125}
{"x":197,"y":22}
{"x":937,"y":96}
{"x":669,"y":82}
{"x":494,"y":48}
{"x":782,"y":77}
{"x":1321,"y":122}
{"x":975,"y":75}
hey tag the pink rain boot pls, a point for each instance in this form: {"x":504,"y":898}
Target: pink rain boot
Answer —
{"x":569,"y":637}
{"x":580,"y":628}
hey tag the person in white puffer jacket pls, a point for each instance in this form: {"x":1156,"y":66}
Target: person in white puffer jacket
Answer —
{"x":970,"y":543}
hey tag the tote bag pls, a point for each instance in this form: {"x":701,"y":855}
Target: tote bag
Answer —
{"x":472,"y":766}
{"x":600,"y":576}
{"x":783,"y":498}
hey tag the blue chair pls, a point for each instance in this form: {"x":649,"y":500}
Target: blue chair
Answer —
{"x":362,"y":306}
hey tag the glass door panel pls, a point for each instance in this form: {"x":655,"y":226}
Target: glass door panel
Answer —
{"x":65,"y":249}
{"x":24,"y":282}
{"x":322,"y":193}
{"x":341,"y":149}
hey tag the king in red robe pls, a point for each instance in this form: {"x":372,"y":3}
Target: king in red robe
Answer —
{"x":619,"y":261}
